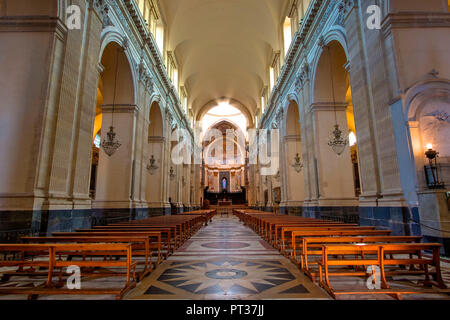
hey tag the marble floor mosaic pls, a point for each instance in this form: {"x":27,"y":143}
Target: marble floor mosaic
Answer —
{"x":227,"y":260}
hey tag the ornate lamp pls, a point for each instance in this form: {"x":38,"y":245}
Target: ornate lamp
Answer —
{"x":298,"y":163}
{"x":111,"y":144}
{"x":432,"y":170}
{"x":152,"y":167}
{"x":338,"y":141}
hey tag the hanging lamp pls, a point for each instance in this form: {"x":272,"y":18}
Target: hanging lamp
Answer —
{"x":337,"y":140}
{"x":110,"y":144}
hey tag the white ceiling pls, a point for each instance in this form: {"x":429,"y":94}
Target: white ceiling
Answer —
{"x":223,"y":47}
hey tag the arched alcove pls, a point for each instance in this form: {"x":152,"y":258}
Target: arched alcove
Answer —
{"x":295,"y":185}
{"x":155,"y":154}
{"x":338,"y":174}
{"x":118,"y":111}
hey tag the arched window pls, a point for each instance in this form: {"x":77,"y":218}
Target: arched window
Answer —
{"x":287,"y":33}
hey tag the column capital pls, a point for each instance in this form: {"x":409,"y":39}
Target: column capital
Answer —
{"x":119,"y":108}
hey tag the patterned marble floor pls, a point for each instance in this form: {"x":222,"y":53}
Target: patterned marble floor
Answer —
{"x":227,"y":260}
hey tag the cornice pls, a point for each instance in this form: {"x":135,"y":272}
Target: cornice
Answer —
{"x":119,"y":108}
{"x":33,"y":24}
{"x":414,"y":20}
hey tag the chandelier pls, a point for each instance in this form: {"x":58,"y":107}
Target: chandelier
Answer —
{"x":337,"y":140}
{"x":152,"y":167}
{"x":298,"y":163}
{"x":172,"y":174}
{"x":111,"y":144}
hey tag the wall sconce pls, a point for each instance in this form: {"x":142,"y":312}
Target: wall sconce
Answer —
{"x":152,"y":167}
{"x":431,"y":171}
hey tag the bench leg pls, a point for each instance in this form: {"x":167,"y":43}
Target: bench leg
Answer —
{"x":437,"y":265}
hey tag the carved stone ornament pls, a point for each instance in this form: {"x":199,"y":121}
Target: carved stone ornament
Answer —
{"x":341,"y":14}
{"x":169,"y":116}
{"x":279,"y":115}
{"x":125,"y":44}
{"x":321,"y":42}
{"x":106,"y":20}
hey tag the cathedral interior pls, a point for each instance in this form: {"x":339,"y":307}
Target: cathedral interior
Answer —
{"x":239,"y":149}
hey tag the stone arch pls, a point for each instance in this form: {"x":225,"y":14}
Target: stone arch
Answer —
{"x":333,"y":35}
{"x":294,"y":178}
{"x":219,"y":125}
{"x":155,"y":157}
{"x":338,"y":180}
{"x":112,"y":36}
{"x":426,"y":110}
{"x":233,"y":102}
{"x":115,"y":171}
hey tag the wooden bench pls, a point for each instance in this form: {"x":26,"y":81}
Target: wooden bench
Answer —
{"x":166,"y":244}
{"x":170,"y":232}
{"x":141,"y":246}
{"x":48,"y":258}
{"x":375,"y":255}
{"x":312,"y":246}
{"x":340,"y":231}
{"x":271,"y":228}
{"x":286,"y":229}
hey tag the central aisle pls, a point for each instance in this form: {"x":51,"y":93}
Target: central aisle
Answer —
{"x":226,"y":260}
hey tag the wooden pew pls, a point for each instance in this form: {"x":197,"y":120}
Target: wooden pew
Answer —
{"x":375,"y":255}
{"x":286,"y":229}
{"x":141,"y":246}
{"x":174,"y":235}
{"x":166,"y":241}
{"x":48,"y":258}
{"x":298,"y":230}
{"x":272,"y":227}
{"x":312,"y":246}
{"x":206,"y":214}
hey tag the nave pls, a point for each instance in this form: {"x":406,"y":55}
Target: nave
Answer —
{"x":216,"y":256}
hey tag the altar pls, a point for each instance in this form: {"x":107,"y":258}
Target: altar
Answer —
{"x":224,"y":203}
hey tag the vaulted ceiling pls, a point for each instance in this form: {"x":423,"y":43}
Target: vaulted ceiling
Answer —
{"x":223,"y":47}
